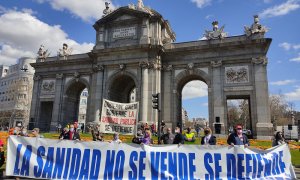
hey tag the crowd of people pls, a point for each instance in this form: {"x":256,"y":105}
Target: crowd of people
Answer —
{"x":144,"y":135}
{"x":22,"y":131}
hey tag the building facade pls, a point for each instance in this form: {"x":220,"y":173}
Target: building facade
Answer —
{"x":16,"y":83}
{"x":135,"y":49}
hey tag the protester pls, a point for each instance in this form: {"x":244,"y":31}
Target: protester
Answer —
{"x":147,"y":138}
{"x":15,"y":131}
{"x":97,"y":136}
{"x":2,"y":158}
{"x":23,"y":132}
{"x":146,"y":127}
{"x":153,"y":129}
{"x":137,"y":139}
{"x":179,"y":138}
{"x":58,"y":128}
{"x":278,"y":139}
{"x":64,"y":134}
{"x":73,"y":134}
{"x":168,"y":138}
{"x":237,"y":137}
{"x":82,"y":128}
{"x":197,"y":127}
{"x":116,"y":138}
{"x":208,"y":138}
{"x":35,"y":133}
{"x":189,"y":136}
{"x":76,"y":126}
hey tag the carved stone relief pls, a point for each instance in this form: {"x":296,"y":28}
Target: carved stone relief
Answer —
{"x":48,"y":86}
{"x":237,"y":74}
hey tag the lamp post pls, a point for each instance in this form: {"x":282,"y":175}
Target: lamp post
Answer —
{"x":293,"y":118}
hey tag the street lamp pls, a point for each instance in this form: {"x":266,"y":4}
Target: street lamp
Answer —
{"x":293,"y":118}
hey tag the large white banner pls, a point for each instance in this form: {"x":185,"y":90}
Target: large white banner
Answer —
{"x":65,"y":159}
{"x":119,"y":117}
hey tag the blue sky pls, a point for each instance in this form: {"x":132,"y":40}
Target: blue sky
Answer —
{"x":26,"y":24}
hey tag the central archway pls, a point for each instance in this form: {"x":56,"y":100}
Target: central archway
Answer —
{"x":122,"y":88}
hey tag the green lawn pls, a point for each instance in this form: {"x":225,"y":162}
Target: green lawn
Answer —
{"x":295,"y":157}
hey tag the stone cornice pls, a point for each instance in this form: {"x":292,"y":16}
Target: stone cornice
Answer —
{"x":216,"y":64}
{"x":167,"y":67}
{"x":260,"y":60}
{"x":59,"y":76}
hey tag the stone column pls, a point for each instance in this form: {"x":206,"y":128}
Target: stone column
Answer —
{"x":35,"y":100}
{"x":218,"y":95}
{"x":57,"y":103}
{"x":95,"y":95}
{"x":145,"y":93}
{"x":167,"y":92}
{"x":145,"y":32}
{"x":264,"y":127}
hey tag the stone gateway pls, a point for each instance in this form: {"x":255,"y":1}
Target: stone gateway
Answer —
{"x":135,"y":50}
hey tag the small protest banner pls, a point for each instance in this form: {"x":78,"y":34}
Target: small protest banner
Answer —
{"x":119,"y":117}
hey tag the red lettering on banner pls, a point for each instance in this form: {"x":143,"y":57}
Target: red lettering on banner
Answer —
{"x":131,"y":114}
{"x":110,"y":120}
{"x":128,"y":121}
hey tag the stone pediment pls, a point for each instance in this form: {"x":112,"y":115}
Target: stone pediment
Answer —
{"x":124,"y":17}
{"x":125,"y":13}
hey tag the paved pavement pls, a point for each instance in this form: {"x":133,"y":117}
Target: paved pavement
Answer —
{"x":297,"y":171}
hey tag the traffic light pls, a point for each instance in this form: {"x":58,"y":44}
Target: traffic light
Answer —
{"x":156,"y":101}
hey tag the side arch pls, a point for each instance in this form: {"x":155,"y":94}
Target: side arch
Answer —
{"x":179,"y":82}
{"x":71,"y":98}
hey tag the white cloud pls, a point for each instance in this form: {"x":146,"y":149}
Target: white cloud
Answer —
{"x":205,"y":104}
{"x":209,"y":16}
{"x":87,"y":10}
{"x":194,"y":89}
{"x":9,"y":55}
{"x":23,"y":33}
{"x":280,"y":10}
{"x":201,"y":3}
{"x":296,"y":59}
{"x":288,"y":46}
{"x":282,"y":83}
{"x":293,"y":96}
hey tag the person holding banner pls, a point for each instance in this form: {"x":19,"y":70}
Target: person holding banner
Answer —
{"x":116,"y":138}
{"x":147,"y":138}
{"x":2,"y":158}
{"x":189,"y":136}
{"x":278,"y":139}
{"x":73,"y":134}
{"x":179,"y":138}
{"x":64,"y":134}
{"x":168,"y":138}
{"x":35,"y":132}
{"x":208,"y":139}
{"x":238,"y":138}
